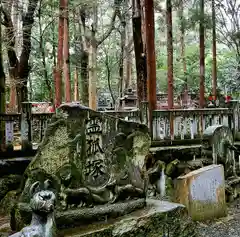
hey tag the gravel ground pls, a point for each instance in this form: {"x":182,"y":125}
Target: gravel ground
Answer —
{"x":225,"y":227}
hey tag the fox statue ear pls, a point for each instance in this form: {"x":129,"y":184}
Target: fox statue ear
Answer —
{"x":34,"y":188}
{"x":47,"y":184}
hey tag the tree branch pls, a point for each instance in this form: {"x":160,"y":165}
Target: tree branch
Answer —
{"x":28,"y":20}
{"x":7,"y":22}
{"x":109,"y":31}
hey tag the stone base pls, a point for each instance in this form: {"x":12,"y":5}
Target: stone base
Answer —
{"x":21,"y":214}
{"x":156,"y":219}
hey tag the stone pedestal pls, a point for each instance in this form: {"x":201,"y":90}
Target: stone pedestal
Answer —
{"x":158,"y":218}
{"x":202,"y":191}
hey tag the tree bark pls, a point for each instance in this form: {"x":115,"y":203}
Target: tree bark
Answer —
{"x":170,"y":53}
{"x":214,"y":51}
{"x":202,"y":55}
{"x":58,"y":70}
{"x":76,"y":83}
{"x":123,"y":52}
{"x":140,"y":57}
{"x":84,"y":57}
{"x":182,"y":36}
{"x":12,"y":76}
{"x":21,"y":65}
{"x":2,"y":94}
{"x":42,"y":52}
{"x":128,"y":49}
{"x":151,"y":58}
{"x":76,"y":93}
{"x":93,"y":63}
{"x":66,"y":62}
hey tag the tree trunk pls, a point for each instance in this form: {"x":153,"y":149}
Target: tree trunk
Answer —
{"x":58,"y":71}
{"x":123,"y":53}
{"x":202,"y":55}
{"x":143,"y":25}
{"x":151,"y":58}
{"x":84,"y":58}
{"x":170,"y":54}
{"x":76,"y":93}
{"x":109,"y":79}
{"x":76,"y":38}
{"x":84,"y":78}
{"x":214,"y":51}
{"x":43,"y":56}
{"x":66,"y":63}
{"x":20,"y":66}
{"x":93,"y":63}
{"x":140,"y":57}
{"x":2,"y":95}
{"x":182,"y":36}
{"x":12,"y":76}
{"x":128,"y":49}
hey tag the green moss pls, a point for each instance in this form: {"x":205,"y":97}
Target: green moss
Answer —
{"x":171,"y":167}
{"x":8,"y":202}
{"x":201,"y":211}
{"x":150,"y":224}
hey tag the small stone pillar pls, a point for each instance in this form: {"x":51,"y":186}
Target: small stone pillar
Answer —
{"x":202,"y":191}
{"x":144,"y":112}
{"x":26,"y":128}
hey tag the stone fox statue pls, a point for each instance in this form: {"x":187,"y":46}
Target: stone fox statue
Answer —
{"x":42,"y":204}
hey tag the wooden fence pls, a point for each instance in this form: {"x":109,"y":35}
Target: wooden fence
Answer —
{"x":167,"y":125}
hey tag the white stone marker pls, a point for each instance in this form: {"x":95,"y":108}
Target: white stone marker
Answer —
{"x":202,"y":191}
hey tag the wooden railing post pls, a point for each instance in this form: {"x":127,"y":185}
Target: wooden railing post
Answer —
{"x":26,"y":128}
{"x":235,"y":117}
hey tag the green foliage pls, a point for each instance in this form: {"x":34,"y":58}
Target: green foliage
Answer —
{"x":109,"y":50}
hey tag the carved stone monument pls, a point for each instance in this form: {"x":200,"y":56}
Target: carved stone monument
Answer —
{"x":202,"y":191}
{"x":93,"y":160}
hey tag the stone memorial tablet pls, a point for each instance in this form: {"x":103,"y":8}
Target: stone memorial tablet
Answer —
{"x":202,"y":191}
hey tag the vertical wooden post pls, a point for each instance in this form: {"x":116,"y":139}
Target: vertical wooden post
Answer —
{"x":202,"y":55}
{"x":151,"y":59}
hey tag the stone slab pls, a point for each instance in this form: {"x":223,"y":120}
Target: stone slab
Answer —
{"x":202,"y":191}
{"x":158,"y":218}
{"x":79,"y":216}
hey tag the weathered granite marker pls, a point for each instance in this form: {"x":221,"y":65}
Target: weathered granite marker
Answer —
{"x":202,"y":191}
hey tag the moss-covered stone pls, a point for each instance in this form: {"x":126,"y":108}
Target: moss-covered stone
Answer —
{"x":155,"y":220}
{"x":8,"y":183}
{"x":91,"y":158}
{"x":171,"y":167}
{"x":8,"y":202}
{"x":203,"y":192}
